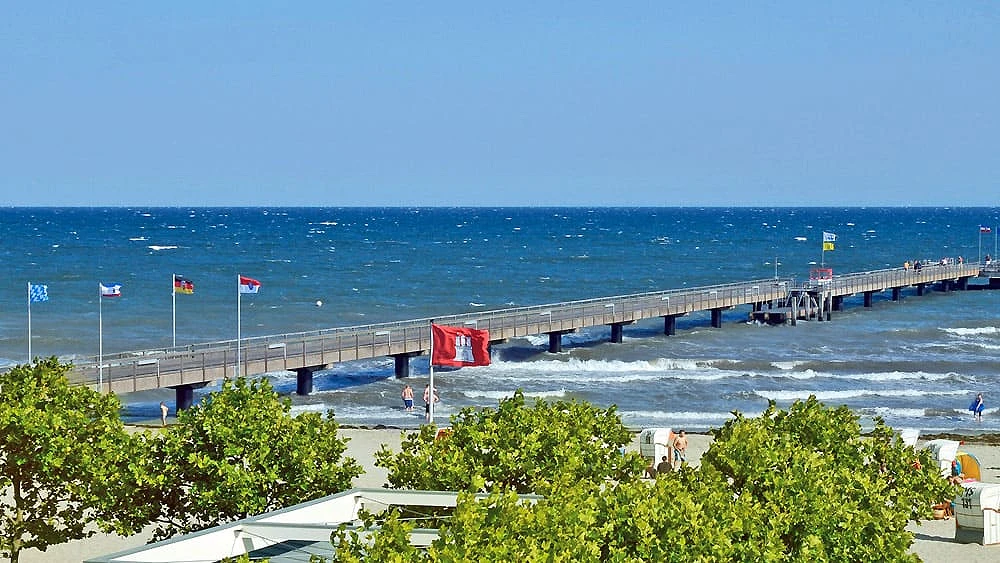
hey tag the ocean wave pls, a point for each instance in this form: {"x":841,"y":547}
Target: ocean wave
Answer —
{"x":972,"y":331}
{"x":788,"y":365}
{"x":497,"y":395}
{"x":886,"y":412}
{"x":684,"y":416}
{"x":792,"y":395}
{"x":365,"y":413}
{"x":157,"y":247}
{"x":602,"y":366}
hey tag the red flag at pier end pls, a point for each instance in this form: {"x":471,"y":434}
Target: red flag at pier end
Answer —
{"x":459,"y":346}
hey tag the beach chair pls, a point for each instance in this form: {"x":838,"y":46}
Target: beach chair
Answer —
{"x":970,"y":466}
{"x":909,"y":436}
{"x":944,"y":452}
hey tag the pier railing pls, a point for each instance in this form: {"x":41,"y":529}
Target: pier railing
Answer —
{"x":197,"y":363}
{"x":200,"y":363}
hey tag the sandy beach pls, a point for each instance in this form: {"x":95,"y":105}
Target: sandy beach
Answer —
{"x":934,"y":539}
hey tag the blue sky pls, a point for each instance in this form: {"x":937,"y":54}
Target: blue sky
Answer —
{"x":551,"y":103}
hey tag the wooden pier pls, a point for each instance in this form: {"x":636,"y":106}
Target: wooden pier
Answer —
{"x":185,"y":368}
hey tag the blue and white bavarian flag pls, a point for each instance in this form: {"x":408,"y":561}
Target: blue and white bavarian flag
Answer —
{"x":37,"y":293}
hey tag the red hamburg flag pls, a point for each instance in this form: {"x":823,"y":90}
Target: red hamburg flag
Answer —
{"x":459,"y":346}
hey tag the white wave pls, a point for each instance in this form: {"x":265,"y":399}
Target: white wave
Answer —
{"x":792,"y":395}
{"x":365,"y":413}
{"x":474,"y":304}
{"x":870,"y":376}
{"x":156,"y":247}
{"x":675,"y":416}
{"x":603,"y":366}
{"x":538,"y":339}
{"x":886,"y":412}
{"x":138,"y":238}
{"x":787,"y":365}
{"x":801,"y":239}
{"x":972,"y":331}
{"x":497,"y":395}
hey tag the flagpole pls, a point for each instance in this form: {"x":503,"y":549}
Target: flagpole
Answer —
{"x":430,"y":397}
{"x":980,"y":245}
{"x":29,"y":322}
{"x":100,"y":332}
{"x":173,"y":299}
{"x":239,"y":324}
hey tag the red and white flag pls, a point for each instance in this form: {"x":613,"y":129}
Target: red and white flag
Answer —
{"x":249,"y":285}
{"x":459,"y":346}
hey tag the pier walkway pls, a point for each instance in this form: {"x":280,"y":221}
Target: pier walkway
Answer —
{"x":185,"y":368}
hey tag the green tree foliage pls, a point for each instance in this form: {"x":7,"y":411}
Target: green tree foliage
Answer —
{"x":580,"y":522}
{"x":515,"y":447}
{"x":59,"y":445}
{"x":240,"y":452}
{"x":819,"y":489}
{"x":795,"y":485}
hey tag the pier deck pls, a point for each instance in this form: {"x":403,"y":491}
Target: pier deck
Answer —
{"x":186,"y":367}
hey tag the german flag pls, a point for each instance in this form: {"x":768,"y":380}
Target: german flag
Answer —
{"x":183,"y":285}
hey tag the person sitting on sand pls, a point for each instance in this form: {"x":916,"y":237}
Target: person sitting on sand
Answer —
{"x":664,"y":465}
{"x":957,"y":477}
{"x":651,"y":470}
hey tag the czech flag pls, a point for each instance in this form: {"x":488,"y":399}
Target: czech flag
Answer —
{"x":249,"y":285}
{"x":111,"y":290}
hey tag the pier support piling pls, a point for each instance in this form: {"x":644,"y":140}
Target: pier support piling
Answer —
{"x":920,"y":288}
{"x":555,"y":342}
{"x":304,"y":379}
{"x":670,"y":325}
{"x":868,"y":299}
{"x":716,"y":318}
{"x":184,"y":395}
{"x":402,"y":363}
{"x":616,"y":333}
{"x":895,"y":293}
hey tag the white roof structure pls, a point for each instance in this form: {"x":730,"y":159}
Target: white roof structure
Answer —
{"x":289,"y":534}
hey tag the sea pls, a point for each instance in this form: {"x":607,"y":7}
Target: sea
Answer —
{"x":916,"y":363}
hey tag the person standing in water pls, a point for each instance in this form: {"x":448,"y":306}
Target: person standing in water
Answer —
{"x":407,"y":398}
{"x":977,"y":407}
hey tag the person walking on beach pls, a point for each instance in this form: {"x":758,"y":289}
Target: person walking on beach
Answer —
{"x":427,"y":401}
{"x":680,"y":448}
{"x":977,"y":407}
{"x":407,"y":398}
{"x":163,"y":413}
